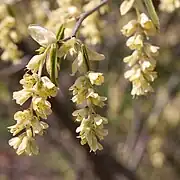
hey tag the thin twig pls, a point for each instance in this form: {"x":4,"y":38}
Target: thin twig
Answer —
{"x":83,"y":17}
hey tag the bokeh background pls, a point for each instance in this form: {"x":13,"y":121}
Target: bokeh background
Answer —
{"x":144,"y":133}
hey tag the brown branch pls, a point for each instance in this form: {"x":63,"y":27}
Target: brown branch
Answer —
{"x":83,"y":16}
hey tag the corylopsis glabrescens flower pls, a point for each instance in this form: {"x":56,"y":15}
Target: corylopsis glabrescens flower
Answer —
{"x":91,"y":129}
{"x":142,"y":61}
{"x":37,"y":89}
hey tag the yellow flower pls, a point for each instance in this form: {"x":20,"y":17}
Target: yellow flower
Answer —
{"x":133,"y":73}
{"x":81,"y":113}
{"x":150,"y":75}
{"x":96,"y":78}
{"x":28,"y":81}
{"x":23,"y":145}
{"x":93,"y":142}
{"x":79,"y":64}
{"x":147,"y":25}
{"x":94,"y":98}
{"x":89,"y":133}
{"x":135,"y":42}
{"x":27,"y":145}
{"x":22,"y":96}
{"x":29,"y":132}
{"x":151,"y":50}
{"x":79,"y":89}
{"x":45,"y":88}
{"x":66,"y":47}
{"x":32,"y":148}
{"x":15,"y":129}
{"x":147,"y":64}
{"x":15,"y":142}
{"x":35,"y":61}
{"x":80,"y":82}
{"x":130,"y":28}
{"x":100,"y":120}
{"x":42,"y":107}
{"x":80,"y":97}
{"x":141,"y":87}
{"x":23,"y":117}
{"x":38,"y":126}
{"x":49,"y":87}
{"x":132,"y":59}
{"x":145,"y":22}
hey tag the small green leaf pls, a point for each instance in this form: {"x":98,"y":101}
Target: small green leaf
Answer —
{"x":85,"y":56}
{"x":78,"y":64}
{"x":41,"y":35}
{"x":51,"y":64}
{"x":126,"y":6}
{"x":81,"y":63}
{"x":152,"y":13}
{"x":93,"y":55}
{"x":60,"y":33}
{"x":41,"y":50}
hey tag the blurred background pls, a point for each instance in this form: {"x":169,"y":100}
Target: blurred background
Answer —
{"x":144,"y":133}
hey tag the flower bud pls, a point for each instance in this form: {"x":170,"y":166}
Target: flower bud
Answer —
{"x":35,"y":61}
{"x":15,"y":142}
{"x":42,"y":107}
{"x":151,"y":50}
{"x":21,"y":96}
{"x":22,"y":147}
{"x":147,"y":25}
{"x":130,"y":28}
{"x":135,"y":42}
{"x":132,"y":59}
{"x":96,"y":78}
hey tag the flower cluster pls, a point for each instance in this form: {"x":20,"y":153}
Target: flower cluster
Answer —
{"x":169,"y":5}
{"x":37,"y":89}
{"x":8,"y":36}
{"x":91,"y":128}
{"x":141,"y":61}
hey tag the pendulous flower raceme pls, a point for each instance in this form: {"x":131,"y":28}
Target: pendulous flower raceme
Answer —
{"x":37,"y":89}
{"x":142,"y":61}
{"x":91,"y":128}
